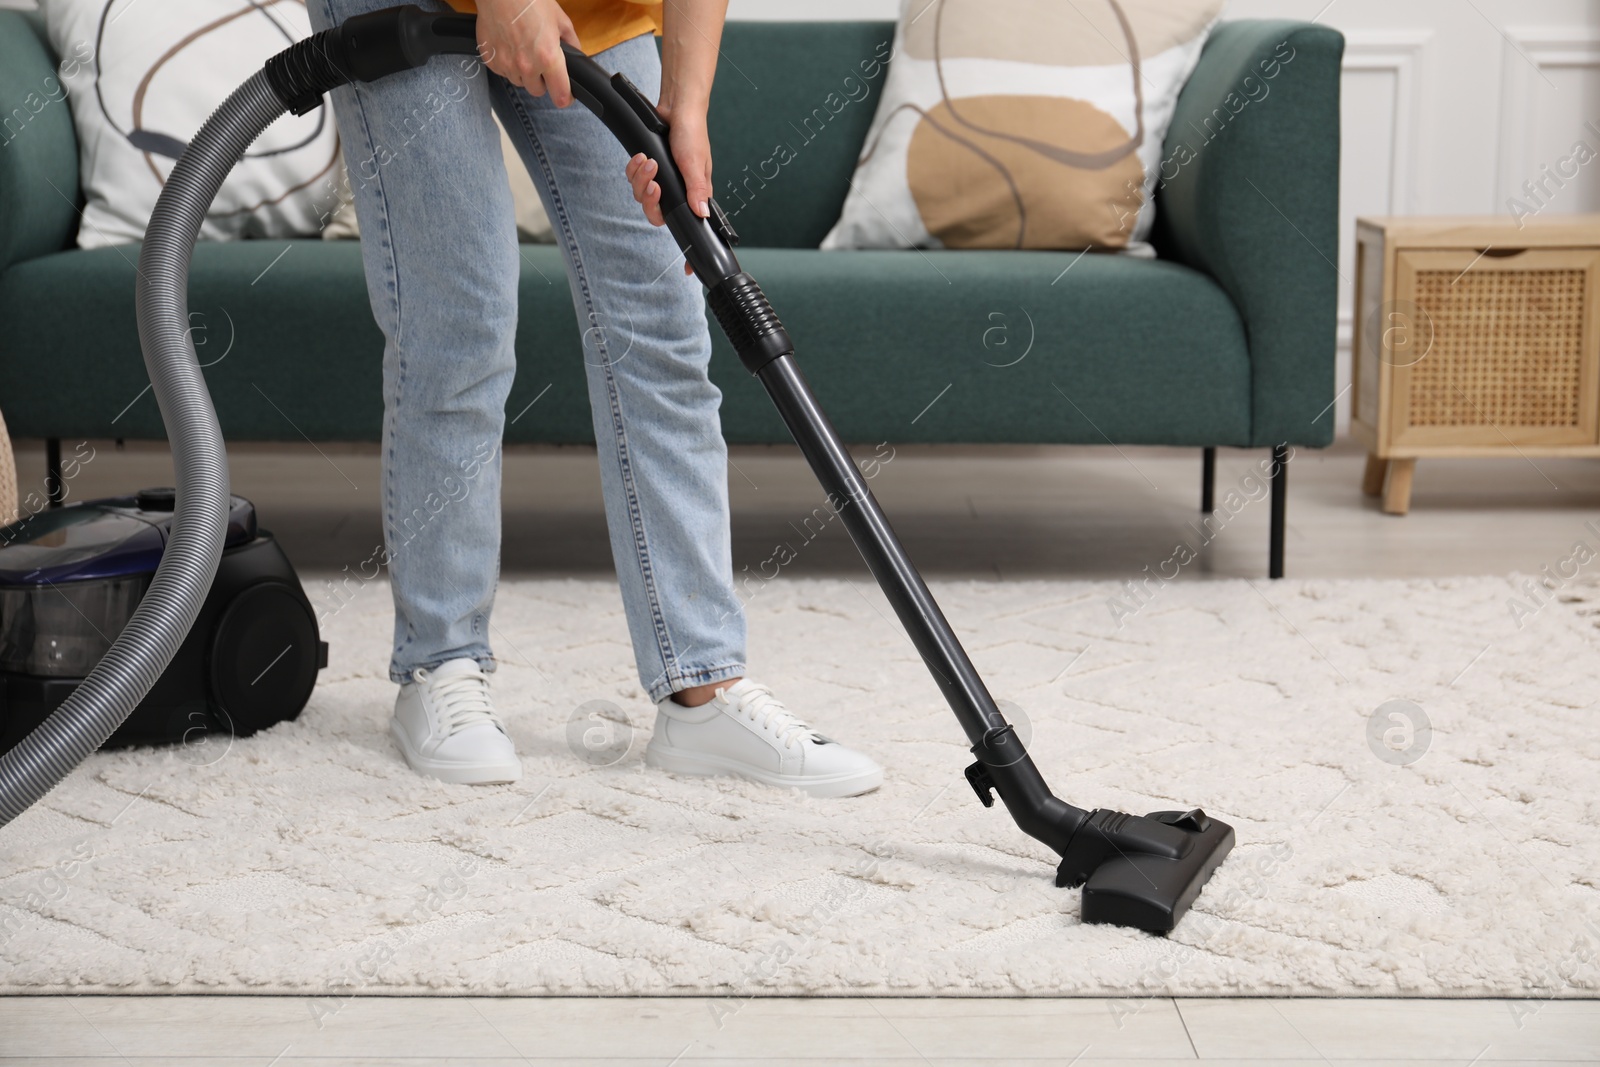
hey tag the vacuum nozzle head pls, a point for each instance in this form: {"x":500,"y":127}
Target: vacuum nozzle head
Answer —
{"x":1143,"y":871}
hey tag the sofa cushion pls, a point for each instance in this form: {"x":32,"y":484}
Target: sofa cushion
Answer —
{"x":785,"y":130}
{"x":283,"y":328}
{"x":900,"y":346}
{"x":1004,"y":346}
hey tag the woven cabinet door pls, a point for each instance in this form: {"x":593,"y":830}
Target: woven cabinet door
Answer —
{"x":1508,"y":351}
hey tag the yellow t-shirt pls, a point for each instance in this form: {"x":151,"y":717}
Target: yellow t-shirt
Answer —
{"x":601,"y":23}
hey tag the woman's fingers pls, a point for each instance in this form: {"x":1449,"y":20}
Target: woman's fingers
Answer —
{"x":641,"y":172}
{"x":555,"y":69}
{"x":697,"y":183}
{"x":568,"y":33}
{"x":637,"y":176}
{"x":521,"y":41}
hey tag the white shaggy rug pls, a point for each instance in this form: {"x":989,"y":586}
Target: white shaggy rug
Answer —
{"x":310,"y":860}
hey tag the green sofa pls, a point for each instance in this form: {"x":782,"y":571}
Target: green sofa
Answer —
{"x":1226,"y":339}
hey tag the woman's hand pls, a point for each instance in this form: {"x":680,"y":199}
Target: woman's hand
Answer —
{"x":690,"y":31}
{"x":520,"y":40}
{"x":691,"y":148}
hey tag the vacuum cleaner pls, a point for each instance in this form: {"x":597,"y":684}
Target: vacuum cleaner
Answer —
{"x":1141,"y":871}
{"x":70,"y":579}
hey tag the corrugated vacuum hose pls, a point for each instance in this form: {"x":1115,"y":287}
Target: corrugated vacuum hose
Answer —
{"x":1143,"y":871}
{"x":168,"y":608}
{"x":365,"y":48}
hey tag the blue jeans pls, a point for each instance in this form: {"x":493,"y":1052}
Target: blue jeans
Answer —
{"x":439,"y":246}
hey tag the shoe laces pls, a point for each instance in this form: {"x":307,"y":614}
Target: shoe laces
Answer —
{"x":462,"y":700}
{"x":756,"y":703}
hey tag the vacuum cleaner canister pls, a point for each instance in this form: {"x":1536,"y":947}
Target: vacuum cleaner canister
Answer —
{"x":70,"y":578}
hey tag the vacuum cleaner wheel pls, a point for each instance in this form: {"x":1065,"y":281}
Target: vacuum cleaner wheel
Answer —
{"x":263,"y":656}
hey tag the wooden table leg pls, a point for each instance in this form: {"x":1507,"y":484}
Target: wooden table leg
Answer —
{"x":1372,"y":478}
{"x":1397,"y":491}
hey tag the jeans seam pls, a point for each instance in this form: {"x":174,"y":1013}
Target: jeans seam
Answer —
{"x":630,"y":492}
{"x":393,"y":279}
{"x":383,"y":221}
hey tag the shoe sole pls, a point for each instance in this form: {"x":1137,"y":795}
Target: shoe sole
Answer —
{"x":677,"y":761}
{"x":455,"y":773}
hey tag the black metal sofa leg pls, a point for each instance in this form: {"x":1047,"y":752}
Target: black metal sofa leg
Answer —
{"x":54,"y":487}
{"x":1280,"y":492}
{"x":1208,"y":481}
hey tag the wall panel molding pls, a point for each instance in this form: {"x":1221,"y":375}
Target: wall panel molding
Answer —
{"x":1529,"y":52}
{"x":1400,"y":54}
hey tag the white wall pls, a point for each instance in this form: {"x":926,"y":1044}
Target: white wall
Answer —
{"x":1449,"y":105}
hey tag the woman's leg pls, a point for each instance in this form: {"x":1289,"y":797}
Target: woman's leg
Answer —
{"x":663,"y":463}
{"x":439,"y":247}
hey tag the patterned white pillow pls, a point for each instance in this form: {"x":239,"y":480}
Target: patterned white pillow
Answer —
{"x":143,"y":77}
{"x":1022,"y":124}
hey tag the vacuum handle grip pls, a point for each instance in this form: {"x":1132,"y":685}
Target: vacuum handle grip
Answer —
{"x":381,"y":43}
{"x":631,"y":118}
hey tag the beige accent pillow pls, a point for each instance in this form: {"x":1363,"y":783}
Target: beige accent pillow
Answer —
{"x":1022,"y":124}
{"x":533,"y":225}
{"x":8,"y":477}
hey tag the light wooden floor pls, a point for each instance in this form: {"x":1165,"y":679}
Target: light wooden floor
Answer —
{"x":996,"y":513}
{"x":971,"y":513}
{"x":191,"y":1031}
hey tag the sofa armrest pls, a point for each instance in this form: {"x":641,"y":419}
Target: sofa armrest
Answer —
{"x":1249,"y":193}
{"x":38,"y":146}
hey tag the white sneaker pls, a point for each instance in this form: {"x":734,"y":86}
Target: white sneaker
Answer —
{"x":446,"y":726}
{"x":745,"y":731}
